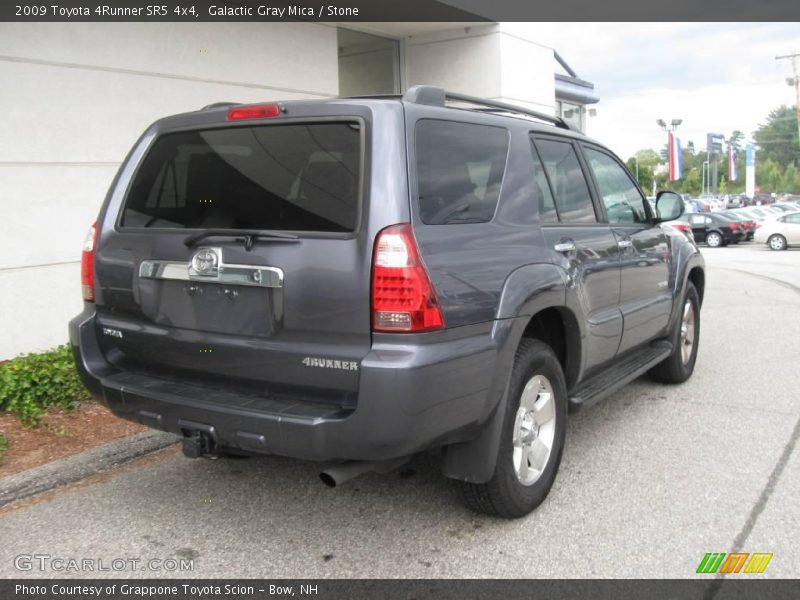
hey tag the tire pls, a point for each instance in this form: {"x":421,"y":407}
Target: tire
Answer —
{"x":679,"y":365}
{"x":776,"y":242}
{"x":516,"y":488}
{"x":714,"y":240}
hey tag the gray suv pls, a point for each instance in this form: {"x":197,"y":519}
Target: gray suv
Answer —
{"x":359,"y":280}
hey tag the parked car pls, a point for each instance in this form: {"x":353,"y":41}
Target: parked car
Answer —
{"x":359,"y":280}
{"x":762,"y":200}
{"x":780,"y":233}
{"x":681,"y":227}
{"x":735,"y":201}
{"x":713,"y":230}
{"x":748,"y":225}
{"x":783,"y":207}
{"x":756,"y":213}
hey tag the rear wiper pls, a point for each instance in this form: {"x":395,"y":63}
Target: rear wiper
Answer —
{"x":248,"y":235}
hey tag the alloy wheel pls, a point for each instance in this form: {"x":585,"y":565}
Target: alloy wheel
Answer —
{"x":534,"y":430}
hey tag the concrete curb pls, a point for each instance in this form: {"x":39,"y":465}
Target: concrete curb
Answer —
{"x":79,"y":466}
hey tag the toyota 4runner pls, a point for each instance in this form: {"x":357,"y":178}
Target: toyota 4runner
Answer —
{"x":358,"y":280}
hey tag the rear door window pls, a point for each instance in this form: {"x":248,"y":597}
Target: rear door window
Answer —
{"x":302,"y":177}
{"x":564,"y":172}
{"x":544,"y":197}
{"x":460,"y":170}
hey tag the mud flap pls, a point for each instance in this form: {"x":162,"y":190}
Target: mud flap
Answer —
{"x":474,"y":461}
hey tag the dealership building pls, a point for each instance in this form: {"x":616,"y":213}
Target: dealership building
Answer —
{"x":76,"y":96}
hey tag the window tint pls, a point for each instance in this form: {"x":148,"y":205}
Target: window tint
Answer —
{"x":544,"y":197}
{"x":795,"y":218}
{"x":459,"y":171}
{"x":623,"y":202}
{"x":301,"y":177}
{"x":567,"y":181}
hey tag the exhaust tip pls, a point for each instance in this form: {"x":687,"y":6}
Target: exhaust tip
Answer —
{"x":327,"y":479}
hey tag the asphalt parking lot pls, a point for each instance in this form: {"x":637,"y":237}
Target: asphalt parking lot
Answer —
{"x":651,"y":480}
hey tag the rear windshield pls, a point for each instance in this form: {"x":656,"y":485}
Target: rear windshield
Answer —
{"x":459,"y":171}
{"x":301,"y":177}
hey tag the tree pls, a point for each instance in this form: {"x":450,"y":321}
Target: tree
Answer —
{"x":778,"y":137}
{"x":735,"y":140}
{"x":791,"y":180}
{"x":645,"y":173}
{"x":648,"y":158}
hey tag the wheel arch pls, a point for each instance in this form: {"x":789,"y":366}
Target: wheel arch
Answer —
{"x":557,"y":326}
{"x":542,"y":314}
{"x":697,"y":276}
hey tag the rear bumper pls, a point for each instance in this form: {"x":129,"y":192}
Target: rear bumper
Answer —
{"x":415,"y":392}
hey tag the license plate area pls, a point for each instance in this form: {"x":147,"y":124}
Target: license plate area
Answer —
{"x":212,"y":307}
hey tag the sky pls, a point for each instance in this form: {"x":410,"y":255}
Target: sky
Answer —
{"x":716,"y":77}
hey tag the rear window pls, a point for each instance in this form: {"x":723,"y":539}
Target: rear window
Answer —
{"x":459,"y":171}
{"x":301,"y":177}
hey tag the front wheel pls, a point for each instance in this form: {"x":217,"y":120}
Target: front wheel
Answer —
{"x":679,"y":365}
{"x":776,"y":242}
{"x":532,"y":438}
{"x":714,"y":240}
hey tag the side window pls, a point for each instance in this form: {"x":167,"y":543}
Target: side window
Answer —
{"x":568,"y":184}
{"x":544,"y":197}
{"x":795,"y":218}
{"x":623,"y":202}
{"x":460,"y":170}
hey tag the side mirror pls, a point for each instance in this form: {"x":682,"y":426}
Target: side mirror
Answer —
{"x":669,"y":206}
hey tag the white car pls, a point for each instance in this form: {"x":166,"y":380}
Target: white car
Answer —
{"x":779,"y":233}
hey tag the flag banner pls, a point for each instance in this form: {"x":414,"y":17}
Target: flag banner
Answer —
{"x":674,"y":158}
{"x":733,"y":173}
{"x":750,"y":170}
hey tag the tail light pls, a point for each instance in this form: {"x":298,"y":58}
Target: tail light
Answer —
{"x":680,"y":227}
{"x":403,"y":299}
{"x":261,"y":111}
{"x":734,"y":226}
{"x":87,"y":264}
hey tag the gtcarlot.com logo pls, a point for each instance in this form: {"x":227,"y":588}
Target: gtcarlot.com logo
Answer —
{"x":66,"y":564}
{"x":735,"y":562}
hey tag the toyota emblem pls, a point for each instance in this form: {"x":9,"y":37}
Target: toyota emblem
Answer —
{"x":205,"y":261}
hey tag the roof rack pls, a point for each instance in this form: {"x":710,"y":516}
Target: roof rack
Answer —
{"x":436,"y":96}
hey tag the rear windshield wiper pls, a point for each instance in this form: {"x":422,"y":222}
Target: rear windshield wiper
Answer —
{"x":248,"y":235}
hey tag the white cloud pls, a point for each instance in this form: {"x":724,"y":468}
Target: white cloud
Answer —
{"x":717,"y":77}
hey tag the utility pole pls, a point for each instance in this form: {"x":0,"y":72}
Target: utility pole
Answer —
{"x":796,"y":81}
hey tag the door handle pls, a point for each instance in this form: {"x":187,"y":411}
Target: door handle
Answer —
{"x":625,"y":244}
{"x":565,"y":246}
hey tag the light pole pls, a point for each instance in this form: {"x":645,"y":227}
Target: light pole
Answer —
{"x":673,"y":125}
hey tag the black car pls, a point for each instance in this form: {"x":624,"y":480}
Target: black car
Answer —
{"x":357,"y":280}
{"x":714,"y":230}
{"x":747,"y":227}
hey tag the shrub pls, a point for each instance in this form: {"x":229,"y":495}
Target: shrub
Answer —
{"x":3,"y":446}
{"x":32,"y":382}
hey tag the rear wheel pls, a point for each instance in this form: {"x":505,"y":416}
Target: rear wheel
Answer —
{"x":679,"y":365}
{"x":714,"y":240}
{"x":776,"y":242}
{"x":532,"y":439}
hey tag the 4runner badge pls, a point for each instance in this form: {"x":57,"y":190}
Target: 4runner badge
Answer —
{"x":329,"y":363}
